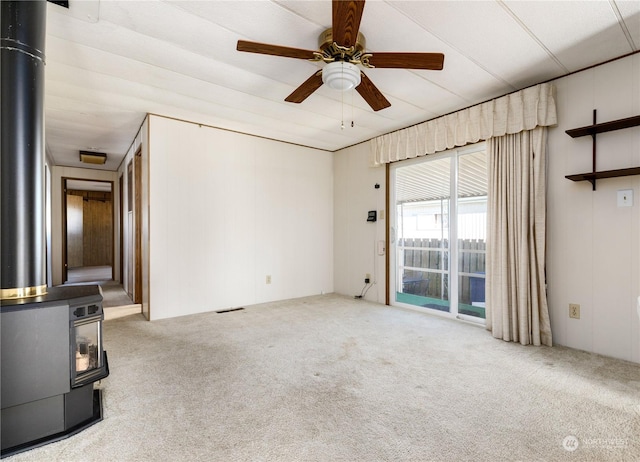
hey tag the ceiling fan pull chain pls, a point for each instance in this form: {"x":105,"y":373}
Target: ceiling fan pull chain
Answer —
{"x":342,"y":101}
{"x":352,"y":124}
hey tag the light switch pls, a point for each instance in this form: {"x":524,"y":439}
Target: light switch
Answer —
{"x":625,"y":198}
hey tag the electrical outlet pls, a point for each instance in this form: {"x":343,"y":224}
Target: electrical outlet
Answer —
{"x":625,"y":198}
{"x":574,"y":310}
{"x":367,"y":278}
{"x":268,"y":281}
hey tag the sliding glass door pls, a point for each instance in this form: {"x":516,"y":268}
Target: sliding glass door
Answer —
{"x":439,"y":232}
{"x":422,"y":228}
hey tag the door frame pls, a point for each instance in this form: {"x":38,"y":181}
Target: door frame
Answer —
{"x":64,"y":179}
{"x":64,"y":231}
{"x":121,"y":227}
{"x":137,"y":231}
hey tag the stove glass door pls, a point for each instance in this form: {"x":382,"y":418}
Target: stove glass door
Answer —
{"x":87,"y":353}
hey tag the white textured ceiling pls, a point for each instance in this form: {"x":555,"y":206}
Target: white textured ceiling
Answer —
{"x":111,"y":62}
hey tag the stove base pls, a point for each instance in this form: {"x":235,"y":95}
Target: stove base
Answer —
{"x":58,"y":417}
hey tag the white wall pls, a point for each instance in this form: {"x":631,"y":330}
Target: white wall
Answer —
{"x":355,"y":239}
{"x":227,"y":210}
{"x":594,"y":245}
{"x":57,"y":174}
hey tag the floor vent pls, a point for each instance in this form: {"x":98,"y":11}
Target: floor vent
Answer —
{"x":229,"y":310}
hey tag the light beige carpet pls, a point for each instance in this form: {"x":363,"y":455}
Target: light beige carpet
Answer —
{"x":329,"y":378}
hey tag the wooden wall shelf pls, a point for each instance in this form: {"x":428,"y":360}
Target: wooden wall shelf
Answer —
{"x":604,"y":174}
{"x":594,"y":129}
{"x":604,"y":127}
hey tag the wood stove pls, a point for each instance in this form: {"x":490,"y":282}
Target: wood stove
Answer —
{"x":52,"y":355}
{"x":50,"y":337}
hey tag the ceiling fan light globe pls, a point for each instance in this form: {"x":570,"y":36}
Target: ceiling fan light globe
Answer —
{"x":341,"y":76}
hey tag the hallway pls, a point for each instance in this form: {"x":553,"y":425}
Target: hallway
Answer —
{"x":84,"y":274}
{"x":116,"y":302}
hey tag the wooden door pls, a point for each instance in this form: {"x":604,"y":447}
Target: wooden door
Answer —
{"x":97,"y":231}
{"x":75,"y":231}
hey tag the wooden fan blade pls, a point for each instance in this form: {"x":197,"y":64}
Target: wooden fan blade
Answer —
{"x":274,"y":50}
{"x":304,"y":91}
{"x":371,"y":94}
{"x":346,"y":21}
{"x":433,"y":61}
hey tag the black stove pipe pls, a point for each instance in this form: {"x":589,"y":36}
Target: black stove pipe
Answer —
{"x":22,"y":139}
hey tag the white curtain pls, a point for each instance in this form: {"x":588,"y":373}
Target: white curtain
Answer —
{"x":516,"y":303}
{"x":523,"y":110}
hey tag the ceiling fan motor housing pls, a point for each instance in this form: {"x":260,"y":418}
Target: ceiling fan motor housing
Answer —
{"x":325,"y":42}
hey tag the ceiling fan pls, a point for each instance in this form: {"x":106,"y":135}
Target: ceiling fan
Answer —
{"x":342,"y":47}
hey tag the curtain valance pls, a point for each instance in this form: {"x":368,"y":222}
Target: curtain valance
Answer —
{"x":523,"y":110}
